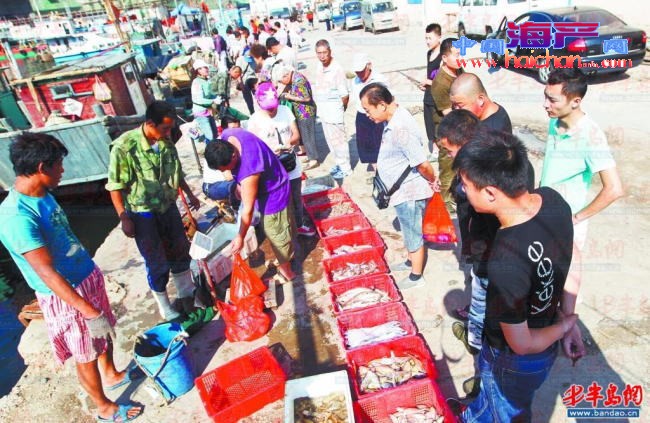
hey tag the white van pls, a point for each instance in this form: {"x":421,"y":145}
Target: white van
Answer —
{"x":482,"y":17}
{"x":378,"y":15}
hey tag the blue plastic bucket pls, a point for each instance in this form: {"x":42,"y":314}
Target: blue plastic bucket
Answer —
{"x":163,"y":355}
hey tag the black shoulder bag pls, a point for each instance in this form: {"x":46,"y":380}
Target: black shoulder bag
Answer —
{"x":381,"y":194}
{"x":286,"y":157}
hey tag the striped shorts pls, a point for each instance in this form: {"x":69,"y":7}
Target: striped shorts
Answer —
{"x":66,"y":327}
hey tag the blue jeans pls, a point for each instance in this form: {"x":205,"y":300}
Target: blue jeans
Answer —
{"x":508,"y":383}
{"x":208,"y":127}
{"x":476,"y":311}
{"x":222,"y":190}
{"x":410,"y":215}
{"x":162,"y":241}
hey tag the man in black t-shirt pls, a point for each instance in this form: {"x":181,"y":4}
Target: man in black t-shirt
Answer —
{"x":467,"y":92}
{"x":432,"y":38}
{"x":527,"y":269}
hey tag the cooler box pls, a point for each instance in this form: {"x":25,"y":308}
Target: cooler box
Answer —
{"x":219,"y":261}
{"x":317,"y":386}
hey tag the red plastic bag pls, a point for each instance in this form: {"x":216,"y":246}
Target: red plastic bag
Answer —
{"x":244,"y":282}
{"x":246,"y":320}
{"x":437,"y":225}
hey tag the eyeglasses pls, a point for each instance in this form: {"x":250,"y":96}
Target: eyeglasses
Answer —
{"x":322,"y":53}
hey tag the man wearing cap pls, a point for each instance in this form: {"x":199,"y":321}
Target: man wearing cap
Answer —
{"x":144,"y":175}
{"x":203,"y":99}
{"x":368,"y":132}
{"x":331,"y":94}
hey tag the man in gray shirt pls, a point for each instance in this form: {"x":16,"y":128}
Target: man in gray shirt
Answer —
{"x":402,"y":147}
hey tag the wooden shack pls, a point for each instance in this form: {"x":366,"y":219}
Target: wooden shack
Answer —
{"x":67,"y":89}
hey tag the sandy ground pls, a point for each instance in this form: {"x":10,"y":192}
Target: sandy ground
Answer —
{"x":614,"y":305}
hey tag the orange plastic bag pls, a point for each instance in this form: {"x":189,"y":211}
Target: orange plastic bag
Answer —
{"x":437,"y":225}
{"x":246,"y":320}
{"x":244,"y":282}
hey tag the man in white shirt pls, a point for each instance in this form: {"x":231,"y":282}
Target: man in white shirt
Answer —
{"x":281,"y":52}
{"x":280,"y":33}
{"x":331,"y":95}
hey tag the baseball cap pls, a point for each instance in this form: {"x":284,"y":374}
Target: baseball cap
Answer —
{"x":267,"y":96}
{"x":198,"y":64}
{"x":359,"y":62}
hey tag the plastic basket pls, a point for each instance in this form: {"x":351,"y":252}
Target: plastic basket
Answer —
{"x":344,"y":224}
{"x":339,"y":262}
{"x":329,"y":210}
{"x":374,"y":316}
{"x":242,"y":386}
{"x":410,"y":345}
{"x":332,"y":196}
{"x":379,"y":281}
{"x":378,"y":408}
{"x":368,"y":237}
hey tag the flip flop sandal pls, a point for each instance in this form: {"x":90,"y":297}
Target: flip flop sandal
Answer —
{"x":132,"y":373}
{"x":121,"y":415}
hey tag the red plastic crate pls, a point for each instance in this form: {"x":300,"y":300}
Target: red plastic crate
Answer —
{"x":242,"y":386}
{"x":410,"y":345}
{"x":347,"y":223}
{"x":334,"y":263}
{"x":324,"y":211}
{"x":368,"y":237}
{"x":332,"y":196}
{"x":379,"y":281}
{"x":374,"y":316}
{"x":378,"y":408}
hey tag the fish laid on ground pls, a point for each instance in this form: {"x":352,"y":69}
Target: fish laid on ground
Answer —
{"x":363,"y":336}
{"x":419,"y":414}
{"x":361,"y":297}
{"x":337,"y":231}
{"x":347,"y":249}
{"x":388,"y":372}
{"x":352,"y":270}
{"x":331,"y":408}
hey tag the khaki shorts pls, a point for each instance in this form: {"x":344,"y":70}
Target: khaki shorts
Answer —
{"x":280,"y":228}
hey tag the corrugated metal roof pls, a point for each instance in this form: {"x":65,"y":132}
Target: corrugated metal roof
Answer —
{"x":87,"y":160}
{"x":89,"y":65}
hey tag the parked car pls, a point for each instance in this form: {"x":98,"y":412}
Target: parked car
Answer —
{"x":349,"y":15}
{"x":378,"y":15}
{"x":588,"y":49}
{"x":323,"y":12}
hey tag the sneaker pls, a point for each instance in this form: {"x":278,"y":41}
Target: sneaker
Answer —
{"x":311,"y":164}
{"x":400,"y":267}
{"x":340,"y":174}
{"x":335,"y":169}
{"x":304,"y":159}
{"x":462,"y":313}
{"x":407,"y":283}
{"x":305,"y":230}
{"x":460,"y":332}
{"x":472,"y":386}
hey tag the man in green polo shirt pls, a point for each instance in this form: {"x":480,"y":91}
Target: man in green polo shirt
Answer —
{"x":143,"y":178}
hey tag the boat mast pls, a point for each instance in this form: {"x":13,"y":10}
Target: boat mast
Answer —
{"x":108,"y":5}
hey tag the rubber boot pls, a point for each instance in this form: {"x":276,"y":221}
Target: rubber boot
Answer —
{"x":164,"y":306}
{"x":185,"y":289}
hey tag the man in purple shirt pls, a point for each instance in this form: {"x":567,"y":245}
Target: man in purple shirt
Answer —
{"x":261,"y":178}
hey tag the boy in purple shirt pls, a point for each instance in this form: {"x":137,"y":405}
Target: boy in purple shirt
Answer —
{"x":261,"y":178}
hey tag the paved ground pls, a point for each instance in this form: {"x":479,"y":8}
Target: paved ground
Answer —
{"x":614,"y":305}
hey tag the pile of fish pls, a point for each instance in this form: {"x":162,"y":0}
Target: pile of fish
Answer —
{"x":363,"y":336}
{"x":361,"y":297}
{"x":388,"y":372}
{"x":337,"y":231}
{"x":330,"y":198}
{"x":331,"y":408}
{"x":346,"y":249}
{"x":352,"y":270}
{"x":420,"y":414}
{"x":340,"y":209}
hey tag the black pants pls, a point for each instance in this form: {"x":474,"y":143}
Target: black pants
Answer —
{"x":247,"y":92}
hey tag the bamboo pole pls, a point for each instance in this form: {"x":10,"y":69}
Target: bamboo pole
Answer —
{"x":108,"y":5}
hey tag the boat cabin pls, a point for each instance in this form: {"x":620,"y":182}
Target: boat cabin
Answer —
{"x":70,"y":90}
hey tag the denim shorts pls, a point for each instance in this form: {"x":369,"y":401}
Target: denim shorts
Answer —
{"x":410,"y":214}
